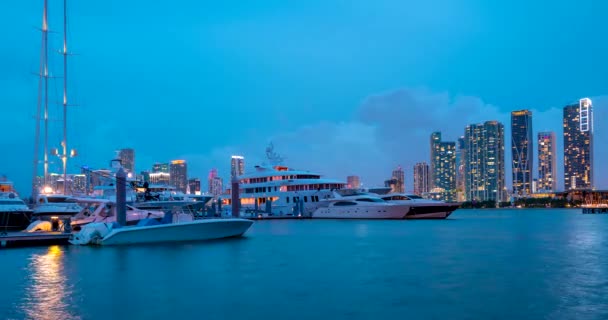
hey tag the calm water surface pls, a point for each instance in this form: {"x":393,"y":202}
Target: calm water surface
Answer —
{"x":480,"y":264}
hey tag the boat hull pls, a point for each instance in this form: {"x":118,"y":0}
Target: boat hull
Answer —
{"x":361,"y":212}
{"x":199,"y":230}
{"x":15,"y":220}
{"x":431,"y":211}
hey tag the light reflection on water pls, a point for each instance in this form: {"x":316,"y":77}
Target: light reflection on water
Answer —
{"x":48,"y":294}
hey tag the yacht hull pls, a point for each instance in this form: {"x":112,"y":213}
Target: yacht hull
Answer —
{"x":361,"y":212}
{"x":15,"y":220}
{"x":431,"y":211}
{"x":199,"y":230}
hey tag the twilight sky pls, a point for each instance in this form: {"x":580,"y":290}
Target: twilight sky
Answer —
{"x":340,"y":87}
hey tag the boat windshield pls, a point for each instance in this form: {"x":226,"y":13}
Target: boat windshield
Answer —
{"x":13,"y":202}
{"x":413,"y":196}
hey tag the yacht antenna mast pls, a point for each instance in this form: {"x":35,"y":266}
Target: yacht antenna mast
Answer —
{"x":64,"y":143}
{"x":43,"y":79}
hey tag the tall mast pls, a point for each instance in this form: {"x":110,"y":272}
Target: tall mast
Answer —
{"x":45,"y":35}
{"x":43,"y":79}
{"x":65,"y":97}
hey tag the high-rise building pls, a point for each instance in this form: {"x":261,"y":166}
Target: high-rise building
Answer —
{"x":194,"y":186}
{"x":522,"y":158}
{"x":435,"y":141}
{"x":443,"y":167}
{"x":127,"y":159}
{"x":460,"y":160}
{"x":391,"y":183}
{"x":399,"y":176}
{"x":161,"y":178}
{"x":237,"y":166}
{"x":353,"y":182}
{"x":421,"y":178}
{"x":179,"y":175}
{"x":578,"y":145}
{"x":215,"y":183}
{"x":547,"y":168}
{"x":160,"y":167}
{"x":485,"y":162}
{"x":79,"y":184}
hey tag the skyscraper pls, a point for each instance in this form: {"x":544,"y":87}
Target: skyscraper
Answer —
{"x":522,"y":157}
{"x":160,"y":167}
{"x":399,"y":176}
{"x":179,"y":175}
{"x":353,"y":182}
{"x":237,"y":166}
{"x":547,"y":168}
{"x":79,"y":184}
{"x":161,"y":178}
{"x":485,"y":162}
{"x":127,"y":159}
{"x":435,"y":141}
{"x":578,"y":145}
{"x":421,"y":178}
{"x":194,"y":186}
{"x":214,"y":183}
{"x":443,"y":167}
{"x":460,"y":160}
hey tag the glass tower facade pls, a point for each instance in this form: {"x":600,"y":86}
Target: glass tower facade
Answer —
{"x":578,"y":145}
{"x":522,"y":162}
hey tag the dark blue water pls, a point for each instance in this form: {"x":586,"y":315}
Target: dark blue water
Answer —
{"x":486,"y":264}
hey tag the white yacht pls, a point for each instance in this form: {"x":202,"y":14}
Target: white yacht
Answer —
{"x":14,"y":213}
{"x":416,"y":207}
{"x":55,"y":205}
{"x":282,"y":191}
{"x":358,"y":206}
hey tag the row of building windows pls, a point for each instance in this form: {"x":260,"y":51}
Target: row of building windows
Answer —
{"x":277,"y":178}
{"x":304,"y":187}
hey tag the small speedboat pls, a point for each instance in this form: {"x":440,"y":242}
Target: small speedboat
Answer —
{"x":174,"y":227}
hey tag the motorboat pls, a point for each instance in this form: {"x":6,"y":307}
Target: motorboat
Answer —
{"x":14,"y":213}
{"x":358,"y":206}
{"x":55,"y":205}
{"x":174,"y":227}
{"x":416,"y":207}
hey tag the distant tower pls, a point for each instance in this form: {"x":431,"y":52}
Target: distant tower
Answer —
{"x":578,"y":145}
{"x":215,"y":183}
{"x":421,"y":178}
{"x":485,"y":162}
{"x":399,"y":176}
{"x":127,"y":159}
{"x":547,"y":168}
{"x":443,"y":167}
{"x":237,"y":166}
{"x":160,"y":167}
{"x":460,"y":164}
{"x":522,"y":161}
{"x":179,"y":175}
{"x":353,"y":182}
{"x":194,"y":186}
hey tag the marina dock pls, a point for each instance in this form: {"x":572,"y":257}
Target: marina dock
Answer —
{"x":30,"y":239}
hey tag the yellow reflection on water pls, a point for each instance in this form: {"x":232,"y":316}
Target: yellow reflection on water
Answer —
{"x":47,"y":295}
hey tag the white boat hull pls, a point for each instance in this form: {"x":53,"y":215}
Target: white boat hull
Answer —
{"x":199,"y":230}
{"x":361,"y":212}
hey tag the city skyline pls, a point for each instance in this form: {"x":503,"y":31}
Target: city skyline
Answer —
{"x":435,"y":101}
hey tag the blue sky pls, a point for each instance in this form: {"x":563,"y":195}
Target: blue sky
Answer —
{"x":341,"y":87}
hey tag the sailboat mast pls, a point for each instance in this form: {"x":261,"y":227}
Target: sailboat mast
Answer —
{"x":65,"y":97}
{"x":39,"y":103}
{"x":45,"y":35}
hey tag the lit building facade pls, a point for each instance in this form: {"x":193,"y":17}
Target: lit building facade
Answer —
{"x":79,"y":184}
{"x":578,"y":145}
{"x":399,"y":177}
{"x":178,"y":171}
{"x":161,"y":178}
{"x":237,"y":166}
{"x":522,"y":162}
{"x":422,"y":179}
{"x":194,"y":186}
{"x":443,"y":167}
{"x":353,"y":182}
{"x":485,"y":162}
{"x":127,"y":159}
{"x":547,"y":168}
{"x":460,"y":157}
{"x":215,"y":183}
